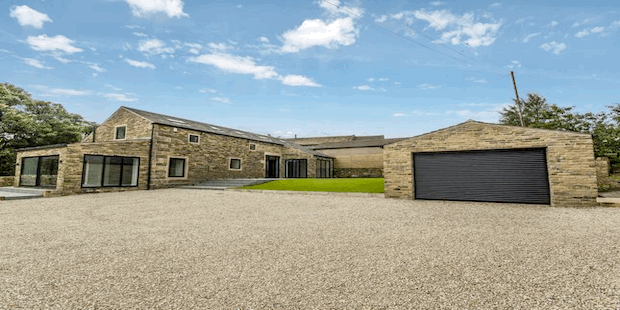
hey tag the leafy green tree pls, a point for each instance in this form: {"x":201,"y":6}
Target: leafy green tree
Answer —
{"x":26,"y":122}
{"x":537,"y":113}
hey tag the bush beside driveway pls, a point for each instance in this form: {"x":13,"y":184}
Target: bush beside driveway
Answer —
{"x":180,"y":249}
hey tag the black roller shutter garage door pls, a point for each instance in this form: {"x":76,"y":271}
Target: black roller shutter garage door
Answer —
{"x":515,"y":175}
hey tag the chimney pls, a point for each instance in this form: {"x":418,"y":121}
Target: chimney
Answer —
{"x":94,"y":132}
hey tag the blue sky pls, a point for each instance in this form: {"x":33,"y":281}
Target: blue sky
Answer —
{"x":312,"y":68}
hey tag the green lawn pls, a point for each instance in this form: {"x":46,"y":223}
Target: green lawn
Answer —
{"x":374,"y":185}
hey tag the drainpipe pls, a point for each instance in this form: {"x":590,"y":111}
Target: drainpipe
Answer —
{"x":148,"y":178}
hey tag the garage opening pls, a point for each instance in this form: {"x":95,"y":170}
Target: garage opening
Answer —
{"x":508,"y":175}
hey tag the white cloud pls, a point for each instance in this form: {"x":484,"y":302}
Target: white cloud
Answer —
{"x":219,"y":47}
{"x":172,"y":8}
{"x":554,"y":47}
{"x":222,"y":100}
{"x":299,"y":80}
{"x":585,"y":21}
{"x":383,"y":79}
{"x":154,"y":47}
{"x":457,"y":29}
{"x":615,"y":24}
{"x":363,"y":87}
{"x":553,"y":23}
{"x":133,"y":27}
{"x":400,"y":114}
{"x":514,"y":64}
{"x":246,"y":65}
{"x":315,"y":32}
{"x":140,"y":34}
{"x":60,"y":58}
{"x":27,"y":16}
{"x":97,"y":68}
{"x":264,"y":39}
{"x":530,"y":36}
{"x":69,"y":92}
{"x":381,"y":18}
{"x":208,"y":90}
{"x":370,"y":79}
{"x":236,"y":64}
{"x":119,"y":97}
{"x":476,"y":80}
{"x":58,"y":43}
{"x":338,"y":30}
{"x":35,"y":63}
{"x":140,"y":64}
{"x":426,"y":86}
{"x":587,"y":32}
{"x":495,"y":5}
{"x":113,"y":87}
{"x":436,"y":3}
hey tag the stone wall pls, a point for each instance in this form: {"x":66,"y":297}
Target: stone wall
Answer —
{"x":570,"y":157}
{"x":358,"y":172}
{"x":7,"y":181}
{"x":60,"y":151}
{"x":138,"y":127}
{"x":71,"y":162}
{"x":321,"y":140}
{"x":210,"y":158}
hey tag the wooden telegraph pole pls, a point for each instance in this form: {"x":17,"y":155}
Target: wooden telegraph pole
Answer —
{"x":518,"y":101}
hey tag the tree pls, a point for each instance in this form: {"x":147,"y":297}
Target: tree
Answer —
{"x":26,"y":122}
{"x":537,"y":113}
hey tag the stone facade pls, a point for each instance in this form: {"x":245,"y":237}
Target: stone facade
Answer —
{"x":137,"y":127}
{"x":71,"y":163}
{"x":358,"y":162}
{"x":210,"y":157}
{"x":207,"y":159}
{"x":7,"y":181}
{"x":570,"y":157}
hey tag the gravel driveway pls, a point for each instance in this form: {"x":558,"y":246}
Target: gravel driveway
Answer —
{"x":184,"y":249}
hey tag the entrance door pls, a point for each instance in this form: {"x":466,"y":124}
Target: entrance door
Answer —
{"x":39,"y":171}
{"x":296,"y":168}
{"x":272,"y":166}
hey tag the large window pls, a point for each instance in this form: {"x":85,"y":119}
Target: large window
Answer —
{"x":296,"y":168}
{"x":176,"y":168}
{"x":110,"y":171}
{"x":323,"y":168}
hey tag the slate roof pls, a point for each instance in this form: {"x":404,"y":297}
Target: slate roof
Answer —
{"x":215,"y":129}
{"x":356,"y":144}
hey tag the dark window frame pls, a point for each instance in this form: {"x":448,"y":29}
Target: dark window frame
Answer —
{"x":252,"y":145}
{"x":170,"y":166}
{"x":124,"y":132}
{"x":230,"y":161}
{"x":38,"y":172}
{"x":120,"y":180}
{"x":189,"y":138}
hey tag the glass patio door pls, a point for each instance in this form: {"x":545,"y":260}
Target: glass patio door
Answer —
{"x":39,"y":171}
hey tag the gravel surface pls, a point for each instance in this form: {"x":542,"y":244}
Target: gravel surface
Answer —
{"x":185,"y":249}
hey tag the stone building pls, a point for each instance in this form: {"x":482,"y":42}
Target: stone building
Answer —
{"x":476,"y":161}
{"x":135,"y":149}
{"x":354,"y":156}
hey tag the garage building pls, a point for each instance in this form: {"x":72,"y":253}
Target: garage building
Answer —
{"x":475,"y":161}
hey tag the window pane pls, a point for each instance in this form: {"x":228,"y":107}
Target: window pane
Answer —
{"x":235,"y":164}
{"x":130,"y":171}
{"x":92,"y":171}
{"x":112,"y":174}
{"x":193,"y":138}
{"x":176,"y":167}
{"x":303,"y":165}
{"x":48,"y":172}
{"x":120,"y":132}
{"x":28,"y":175}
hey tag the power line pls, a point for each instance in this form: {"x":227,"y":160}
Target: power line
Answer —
{"x":398,"y":34}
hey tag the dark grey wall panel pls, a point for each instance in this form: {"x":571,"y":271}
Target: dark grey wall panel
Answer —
{"x":516,"y":175}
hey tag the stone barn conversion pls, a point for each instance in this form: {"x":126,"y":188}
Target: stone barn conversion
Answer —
{"x":475,"y":161}
{"x":354,"y":156}
{"x":135,"y":149}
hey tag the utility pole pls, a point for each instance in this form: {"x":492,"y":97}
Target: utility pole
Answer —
{"x":518,"y":101}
